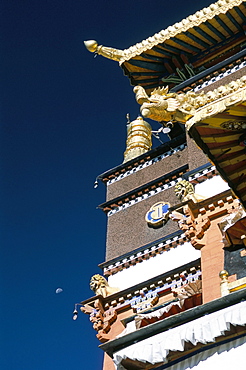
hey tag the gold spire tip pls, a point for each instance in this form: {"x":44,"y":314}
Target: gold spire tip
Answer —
{"x":91,"y":45}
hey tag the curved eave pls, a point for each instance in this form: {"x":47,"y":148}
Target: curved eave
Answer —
{"x":176,"y":54}
{"x":224,"y":147}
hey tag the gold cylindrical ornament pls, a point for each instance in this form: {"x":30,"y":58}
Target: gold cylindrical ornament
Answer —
{"x":224,"y":283}
{"x":139,"y":139}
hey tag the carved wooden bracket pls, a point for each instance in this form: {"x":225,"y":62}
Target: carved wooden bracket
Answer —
{"x":195,"y":218}
{"x":101,"y":319}
{"x":193,"y":228}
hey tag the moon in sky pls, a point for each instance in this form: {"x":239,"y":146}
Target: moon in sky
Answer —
{"x":59,"y":290}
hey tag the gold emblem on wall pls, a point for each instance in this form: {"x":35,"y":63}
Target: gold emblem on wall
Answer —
{"x":158,"y":214}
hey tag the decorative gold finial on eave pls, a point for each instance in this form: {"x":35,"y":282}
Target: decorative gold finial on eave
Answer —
{"x":91,"y":45}
{"x":107,"y":52}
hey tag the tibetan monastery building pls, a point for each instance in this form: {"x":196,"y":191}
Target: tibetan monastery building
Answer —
{"x":173,"y":285}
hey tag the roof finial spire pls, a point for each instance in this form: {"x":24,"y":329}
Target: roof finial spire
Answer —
{"x":107,"y":52}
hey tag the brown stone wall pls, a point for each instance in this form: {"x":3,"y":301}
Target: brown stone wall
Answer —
{"x":128,"y":230}
{"x":196,"y":157}
{"x":147,"y":174}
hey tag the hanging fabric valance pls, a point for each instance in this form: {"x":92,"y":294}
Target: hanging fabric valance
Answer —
{"x":203,"y":330}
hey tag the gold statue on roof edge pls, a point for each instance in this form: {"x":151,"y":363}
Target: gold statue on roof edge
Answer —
{"x":184,"y":190}
{"x":163,"y":106}
{"x":190,"y":107}
{"x":100,"y":286}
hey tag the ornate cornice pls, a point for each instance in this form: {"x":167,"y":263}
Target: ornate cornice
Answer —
{"x":101,"y":319}
{"x":142,"y":254}
{"x":143,"y":192}
{"x":219,"y":100}
{"x":145,"y":164}
{"x":220,"y":7}
{"x":199,"y":216}
{"x":191,"y":107}
{"x":154,"y":287}
{"x":103,"y":311}
{"x":140,"y":194}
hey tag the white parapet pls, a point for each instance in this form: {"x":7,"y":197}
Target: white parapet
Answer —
{"x":154,"y":266}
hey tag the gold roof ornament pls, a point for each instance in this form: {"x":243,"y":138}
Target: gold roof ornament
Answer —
{"x":184,"y":190}
{"x":107,"y":52}
{"x":163,"y":106}
{"x":139,"y":139}
{"x":100,"y":286}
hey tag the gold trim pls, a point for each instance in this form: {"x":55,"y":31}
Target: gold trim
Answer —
{"x":220,"y":100}
{"x":238,"y":288}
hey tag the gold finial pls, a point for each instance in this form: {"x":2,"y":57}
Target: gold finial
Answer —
{"x":138,"y":139}
{"x":107,"y":52}
{"x":91,"y":45}
{"x":223,"y":275}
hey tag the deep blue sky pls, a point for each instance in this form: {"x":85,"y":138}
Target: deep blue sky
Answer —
{"x":62,"y":123}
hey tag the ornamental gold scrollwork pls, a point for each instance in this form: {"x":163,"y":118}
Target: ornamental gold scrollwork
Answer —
{"x":190,"y":107}
{"x":219,"y":100}
{"x":234,"y":99}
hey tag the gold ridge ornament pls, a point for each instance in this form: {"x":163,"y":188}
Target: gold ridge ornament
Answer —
{"x":158,"y":214}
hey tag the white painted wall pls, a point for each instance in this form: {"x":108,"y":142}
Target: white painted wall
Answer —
{"x":154,"y":266}
{"x":211,"y":187}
